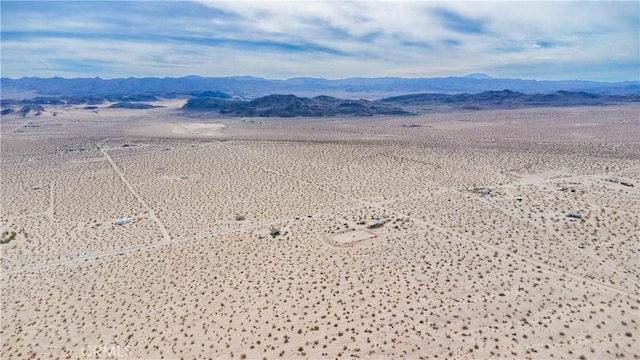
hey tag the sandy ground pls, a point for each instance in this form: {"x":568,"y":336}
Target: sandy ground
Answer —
{"x":450,"y":274}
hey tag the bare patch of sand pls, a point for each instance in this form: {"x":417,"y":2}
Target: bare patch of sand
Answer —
{"x":352,"y":237}
{"x":184,"y":130}
{"x":198,"y":129}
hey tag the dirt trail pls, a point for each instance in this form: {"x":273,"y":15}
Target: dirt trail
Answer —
{"x":563,"y":240}
{"x":20,"y":126}
{"x":52,"y":196}
{"x":158,"y":244}
{"x":451,"y":232}
{"x":381,"y":205}
{"x":152,"y":214}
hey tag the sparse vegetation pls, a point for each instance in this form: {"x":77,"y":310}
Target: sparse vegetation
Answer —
{"x":7,"y":237}
{"x":449,"y":275}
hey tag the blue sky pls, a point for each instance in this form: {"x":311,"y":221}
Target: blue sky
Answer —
{"x":331,"y":39}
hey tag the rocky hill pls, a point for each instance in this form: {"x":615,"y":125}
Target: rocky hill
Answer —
{"x":505,"y":99}
{"x":292,"y":106}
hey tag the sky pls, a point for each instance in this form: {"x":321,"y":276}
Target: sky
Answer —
{"x":556,"y":40}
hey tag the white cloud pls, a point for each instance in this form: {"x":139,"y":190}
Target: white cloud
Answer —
{"x":328,"y":39}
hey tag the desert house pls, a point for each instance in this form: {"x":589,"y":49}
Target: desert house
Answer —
{"x":574,"y":214}
{"x":122,"y":220}
{"x":376,"y":224}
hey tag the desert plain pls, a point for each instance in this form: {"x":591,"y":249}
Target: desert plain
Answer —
{"x":252,"y":238}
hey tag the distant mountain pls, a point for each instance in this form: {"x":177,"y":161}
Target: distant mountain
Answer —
{"x":249,"y":87}
{"x":24,"y":110}
{"x":479,"y":76}
{"x":505,"y":99}
{"x":210,"y":94}
{"x":132,"y":105}
{"x":218,"y":104}
{"x":291,"y":106}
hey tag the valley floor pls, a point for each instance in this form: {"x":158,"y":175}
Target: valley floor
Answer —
{"x":197,"y":273}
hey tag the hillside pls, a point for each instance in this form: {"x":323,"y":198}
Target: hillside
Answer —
{"x":292,"y":106}
{"x":505,"y":99}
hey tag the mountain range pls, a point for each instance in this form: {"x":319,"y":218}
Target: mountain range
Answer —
{"x":211,"y":103}
{"x":291,"y":105}
{"x":310,"y":97}
{"x":248,"y":87}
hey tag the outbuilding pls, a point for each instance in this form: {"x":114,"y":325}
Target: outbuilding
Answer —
{"x":376,"y":224}
{"x":484,"y":191}
{"x":122,"y":220}
{"x":574,"y":214}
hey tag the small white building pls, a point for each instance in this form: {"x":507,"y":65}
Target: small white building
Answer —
{"x":574,"y":214}
{"x":122,"y":220}
{"x":484,"y":191}
{"x":376,"y":224}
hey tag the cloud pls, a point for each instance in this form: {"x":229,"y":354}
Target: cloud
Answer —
{"x":82,"y":66}
{"x":326,"y":39}
{"x":456,"y":22}
{"x":543,"y":44}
